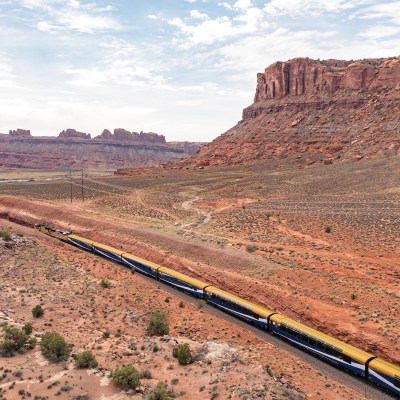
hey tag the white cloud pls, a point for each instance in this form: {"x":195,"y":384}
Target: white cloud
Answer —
{"x":7,"y":77}
{"x":315,"y":7}
{"x":209,"y":31}
{"x":198,"y":15}
{"x":243,"y":4}
{"x":380,"y":11}
{"x":380,"y":31}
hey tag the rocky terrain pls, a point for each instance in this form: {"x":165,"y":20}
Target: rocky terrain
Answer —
{"x":111,"y":323}
{"x":74,"y":149}
{"x":320,"y":245}
{"x":309,"y":111}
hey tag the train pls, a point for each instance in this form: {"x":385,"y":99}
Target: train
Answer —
{"x":380,"y":372}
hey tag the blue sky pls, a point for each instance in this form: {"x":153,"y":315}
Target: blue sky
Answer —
{"x":184,"y":68}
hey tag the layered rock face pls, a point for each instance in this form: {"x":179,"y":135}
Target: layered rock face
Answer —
{"x":74,"y":149}
{"x":311,"y":111}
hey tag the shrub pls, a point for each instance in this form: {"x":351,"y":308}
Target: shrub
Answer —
{"x":160,"y":392}
{"x":157,"y":325}
{"x":328,"y":229}
{"x":106,"y":334}
{"x":37,"y":311}
{"x":251,"y":248}
{"x":27,"y":328}
{"x":181,"y":304}
{"x":7,"y":348}
{"x":126,"y":377}
{"x":183,"y":354}
{"x":86,"y":360}
{"x":201,"y":303}
{"x":54,"y":347}
{"x":5,"y":236}
{"x":105,"y":284}
{"x":146,"y":374}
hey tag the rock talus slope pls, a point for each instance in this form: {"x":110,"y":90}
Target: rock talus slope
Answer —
{"x":309,"y":111}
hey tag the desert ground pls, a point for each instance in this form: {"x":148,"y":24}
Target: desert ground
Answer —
{"x":320,"y":245}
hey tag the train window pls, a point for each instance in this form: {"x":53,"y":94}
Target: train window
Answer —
{"x":304,"y":338}
{"x":328,"y":350}
{"x":312,"y":341}
{"x":321,"y":346}
{"x":397,"y":381}
{"x":283,"y":328}
{"x":290,"y":331}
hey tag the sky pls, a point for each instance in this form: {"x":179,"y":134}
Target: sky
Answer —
{"x":182,"y":68}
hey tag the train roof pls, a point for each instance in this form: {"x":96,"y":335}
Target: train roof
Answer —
{"x":351,"y":351}
{"x":82,"y":239}
{"x":184,"y":278}
{"x":385,"y":367}
{"x":262,"y":311}
{"x":141,"y":260}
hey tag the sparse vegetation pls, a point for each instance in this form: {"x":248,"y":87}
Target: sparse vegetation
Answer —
{"x":6,"y":236}
{"x":38,"y":311}
{"x":15,"y":340}
{"x":126,"y":377}
{"x":160,"y":392}
{"x":54,"y":347}
{"x":157,"y":324}
{"x":250,"y":248}
{"x":86,"y":360}
{"x":183,"y":354}
{"x":105,"y":283}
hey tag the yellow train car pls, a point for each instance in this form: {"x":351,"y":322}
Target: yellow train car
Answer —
{"x":181,"y":281}
{"x":385,"y":374}
{"x":239,"y":307}
{"x":334,"y":350}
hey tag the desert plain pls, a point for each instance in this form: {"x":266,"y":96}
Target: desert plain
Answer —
{"x":320,"y":245}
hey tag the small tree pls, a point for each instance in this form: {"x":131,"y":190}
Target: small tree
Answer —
{"x":86,"y":360}
{"x":7,"y":348}
{"x":126,"y":377}
{"x":183,"y":354}
{"x":157,"y":325}
{"x":37,"y":311}
{"x":54,"y":347}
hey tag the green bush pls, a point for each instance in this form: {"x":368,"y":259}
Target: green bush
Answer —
{"x":157,"y":325}
{"x":183,"y":354}
{"x":37,"y":311}
{"x":251,"y":248}
{"x":328,"y":229}
{"x":54,"y":347}
{"x":7,"y":348}
{"x":86,"y":360}
{"x":5,"y":236}
{"x":105,"y":284}
{"x":126,"y":377}
{"x":160,"y":392}
{"x":27,"y":328}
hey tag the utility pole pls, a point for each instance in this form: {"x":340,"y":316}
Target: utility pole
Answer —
{"x":70,"y":181}
{"x":83,"y":195}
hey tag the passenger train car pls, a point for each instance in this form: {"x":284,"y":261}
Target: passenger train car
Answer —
{"x":380,"y":372}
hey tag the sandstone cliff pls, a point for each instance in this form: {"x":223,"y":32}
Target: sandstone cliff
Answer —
{"x":308,"y":111}
{"x":74,"y":149}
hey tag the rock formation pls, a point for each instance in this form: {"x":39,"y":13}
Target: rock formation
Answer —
{"x":74,"y":149}
{"x":121,"y":134}
{"x":308,"y":111}
{"x":72,"y":133}
{"x":20,"y":133}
